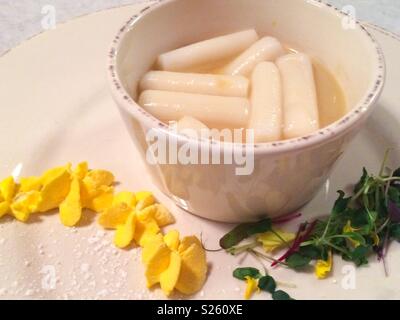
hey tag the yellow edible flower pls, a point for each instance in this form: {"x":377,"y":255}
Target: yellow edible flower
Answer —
{"x":272,"y":241}
{"x":59,"y":187}
{"x":183,"y":268}
{"x":251,"y":287}
{"x":376,"y":239}
{"x":323,"y":268}
{"x":348,"y":228}
{"x":135,"y":217}
{"x":7,"y":191}
{"x":97,"y":192}
{"x":172,"y":262}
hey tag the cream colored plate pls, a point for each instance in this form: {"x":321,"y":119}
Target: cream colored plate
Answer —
{"x":55,"y":107}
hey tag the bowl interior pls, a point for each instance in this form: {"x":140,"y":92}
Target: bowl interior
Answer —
{"x":315,"y":28}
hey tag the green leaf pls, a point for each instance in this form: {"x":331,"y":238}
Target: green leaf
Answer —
{"x":244,"y":231}
{"x":359,"y":255}
{"x":362,"y":181}
{"x":341,"y":203}
{"x":281,"y":295}
{"x":267,"y":283}
{"x":242,"y":273}
{"x":259,"y":227}
{"x":359,"y":218}
{"x":311,"y":252}
{"x":297,"y":261}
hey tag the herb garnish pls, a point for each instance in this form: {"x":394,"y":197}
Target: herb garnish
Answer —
{"x":360,"y":225}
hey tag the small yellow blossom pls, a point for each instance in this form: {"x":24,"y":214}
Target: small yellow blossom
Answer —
{"x":251,"y":287}
{"x":272,"y":241}
{"x":323,"y":268}
{"x":376,"y":239}
{"x":171,"y":262}
{"x":348,"y":228}
{"x":184,"y":268}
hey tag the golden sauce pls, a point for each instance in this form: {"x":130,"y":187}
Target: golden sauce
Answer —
{"x":331,"y":100}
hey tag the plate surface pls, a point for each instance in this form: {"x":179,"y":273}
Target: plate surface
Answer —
{"x":56,"y":108}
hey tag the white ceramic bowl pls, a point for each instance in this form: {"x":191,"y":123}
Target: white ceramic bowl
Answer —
{"x":287,"y":174}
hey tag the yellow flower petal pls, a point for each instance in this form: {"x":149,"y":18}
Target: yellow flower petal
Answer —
{"x":7,"y":189}
{"x":49,"y":175}
{"x":323,"y":268}
{"x":271,"y":241}
{"x":144,"y":199}
{"x":186,"y":242}
{"x":193,"y":269}
{"x":56,"y":185}
{"x":125,"y":232}
{"x":145,"y":227}
{"x":102,"y":201}
{"x":81,"y":170}
{"x":4,"y":208}
{"x":150,"y":247}
{"x":172,"y":239}
{"x":97,"y":191}
{"x":140,"y":195}
{"x":125,"y":197}
{"x":96,"y":198}
{"x":99,"y":178}
{"x":71,"y":208}
{"x":348,"y":228}
{"x":169,"y":277}
{"x":160,"y":213}
{"x":90,"y":191}
{"x":251,"y":287}
{"x":24,"y":204}
{"x":157,"y":264}
{"x":30,"y":184}
{"x":163,"y":216}
{"x":113,"y":217}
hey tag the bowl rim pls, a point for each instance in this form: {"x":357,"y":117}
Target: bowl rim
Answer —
{"x":356,"y":115}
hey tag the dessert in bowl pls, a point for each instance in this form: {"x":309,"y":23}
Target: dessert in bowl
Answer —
{"x":235,"y":180}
